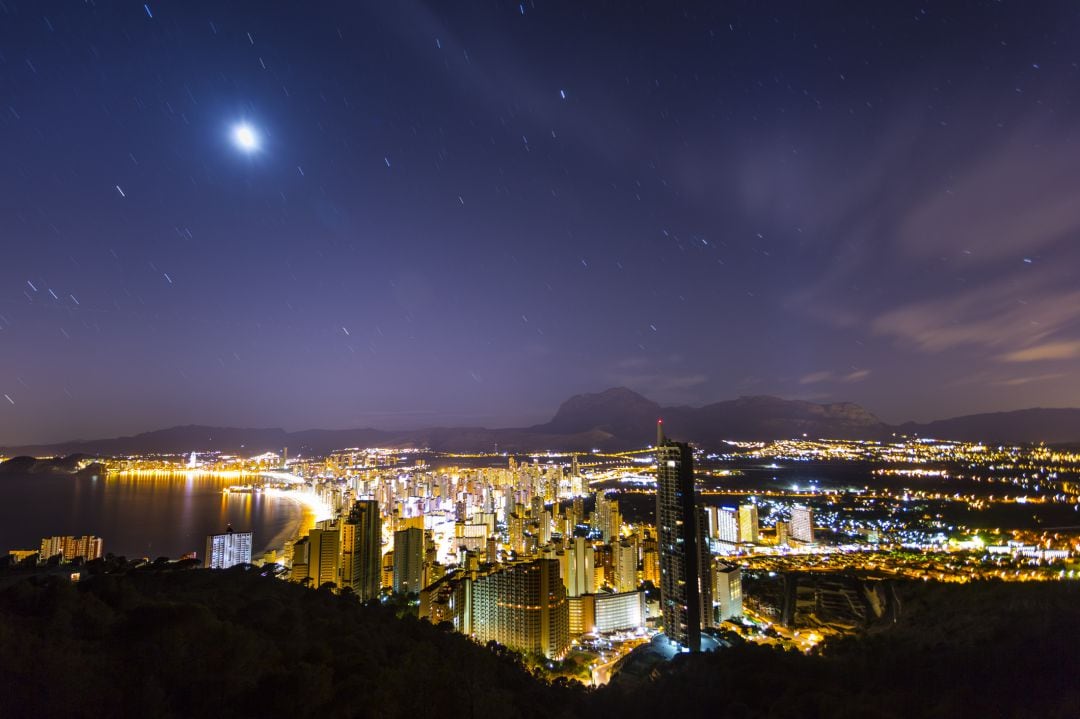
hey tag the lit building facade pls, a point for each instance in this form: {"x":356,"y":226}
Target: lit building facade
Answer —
{"x":524,"y":607}
{"x":727,"y":525}
{"x":361,"y":549}
{"x":408,"y":560}
{"x":324,"y":554}
{"x":682,"y":544}
{"x":227,"y":550}
{"x":88,"y":547}
{"x":625,"y":564}
{"x":748,"y":523}
{"x":576,"y":568}
{"x":603,"y":613}
{"x":802,"y":525}
{"x":727,"y":592}
{"x":620,"y":612}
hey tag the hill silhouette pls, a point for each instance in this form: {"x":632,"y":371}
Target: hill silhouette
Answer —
{"x":616,"y":418}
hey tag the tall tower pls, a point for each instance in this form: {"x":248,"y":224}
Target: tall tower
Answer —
{"x":577,"y":568}
{"x":408,"y":560}
{"x":324,"y":546}
{"x":361,"y":545}
{"x":678,"y":536}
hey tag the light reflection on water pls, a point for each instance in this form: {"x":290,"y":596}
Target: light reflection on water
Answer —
{"x":146,"y":514}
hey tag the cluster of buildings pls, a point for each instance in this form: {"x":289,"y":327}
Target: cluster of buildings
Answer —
{"x":587,"y":579}
{"x":63,"y":549}
{"x":508,"y":554}
{"x":516,"y":554}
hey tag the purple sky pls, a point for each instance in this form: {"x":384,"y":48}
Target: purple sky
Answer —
{"x":465,"y":216}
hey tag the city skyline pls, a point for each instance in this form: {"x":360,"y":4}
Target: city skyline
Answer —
{"x":406,"y":216}
{"x":539,"y":358}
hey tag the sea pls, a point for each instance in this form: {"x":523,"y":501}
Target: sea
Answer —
{"x":145,"y":515}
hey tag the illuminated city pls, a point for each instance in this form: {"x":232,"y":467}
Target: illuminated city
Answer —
{"x":539,"y":360}
{"x":457,"y":534}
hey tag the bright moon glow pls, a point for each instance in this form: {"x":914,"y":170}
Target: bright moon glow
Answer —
{"x":245,"y":138}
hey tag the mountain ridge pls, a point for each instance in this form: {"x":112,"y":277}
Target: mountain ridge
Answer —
{"x":617,"y":418}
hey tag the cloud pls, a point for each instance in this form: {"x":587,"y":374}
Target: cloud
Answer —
{"x":825,"y":376}
{"x":1019,"y":197}
{"x":966,"y":245}
{"x":995,"y":315}
{"x":857,"y":376}
{"x":659,"y":382}
{"x":815,"y":377}
{"x":1018,"y":381}
{"x":1047,"y":351}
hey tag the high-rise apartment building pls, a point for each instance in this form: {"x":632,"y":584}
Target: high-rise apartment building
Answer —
{"x":576,"y":568}
{"x":781,"y":533}
{"x":606,"y":519}
{"x":515,"y":532}
{"x":524,"y":607}
{"x":408,"y":560}
{"x":299,"y":557}
{"x":361,"y":549}
{"x":682,"y":544}
{"x":543,"y":527}
{"x":625,"y":564}
{"x":324,"y":554}
{"x":228,"y":549}
{"x":650,"y":561}
{"x":802,"y":525}
{"x":748,"y":523}
{"x":727,"y":592}
{"x":727,"y":525}
{"x":87,"y":547}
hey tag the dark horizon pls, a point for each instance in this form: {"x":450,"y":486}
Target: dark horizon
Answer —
{"x":267,"y":214}
{"x":618,"y":410}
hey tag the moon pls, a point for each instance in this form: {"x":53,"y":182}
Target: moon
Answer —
{"x":245,"y":137}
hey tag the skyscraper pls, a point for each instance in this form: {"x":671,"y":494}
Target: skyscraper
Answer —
{"x":606,"y":519}
{"x":361,"y":545}
{"x":680,"y":537}
{"x":523,"y":607}
{"x":728,"y":592}
{"x":650,"y":561}
{"x":802,"y":524}
{"x":227,"y":550}
{"x":727,"y":525}
{"x":576,"y":567}
{"x":324,"y":547}
{"x":408,"y":560}
{"x":625,"y":562}
{"x":748,"y":523}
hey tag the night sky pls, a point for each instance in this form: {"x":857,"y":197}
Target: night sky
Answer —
{"x":463,"y":213}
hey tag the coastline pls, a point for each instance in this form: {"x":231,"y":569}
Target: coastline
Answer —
{"x":297,"y":527}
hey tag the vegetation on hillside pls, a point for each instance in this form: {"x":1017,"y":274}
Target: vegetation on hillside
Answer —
{"x":161,"y":641}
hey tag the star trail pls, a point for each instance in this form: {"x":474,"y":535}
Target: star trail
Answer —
{"x":411,"y":214}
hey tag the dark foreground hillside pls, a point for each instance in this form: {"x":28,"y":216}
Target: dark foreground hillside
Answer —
{"x":204,"y":644}
{"x":198,"y":643}
{"x":987,"y":649}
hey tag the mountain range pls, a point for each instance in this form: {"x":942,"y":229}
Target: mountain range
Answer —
{"x":617,"y":418}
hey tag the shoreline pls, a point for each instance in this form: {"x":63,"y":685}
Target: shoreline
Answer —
{"x":296,"y":527}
